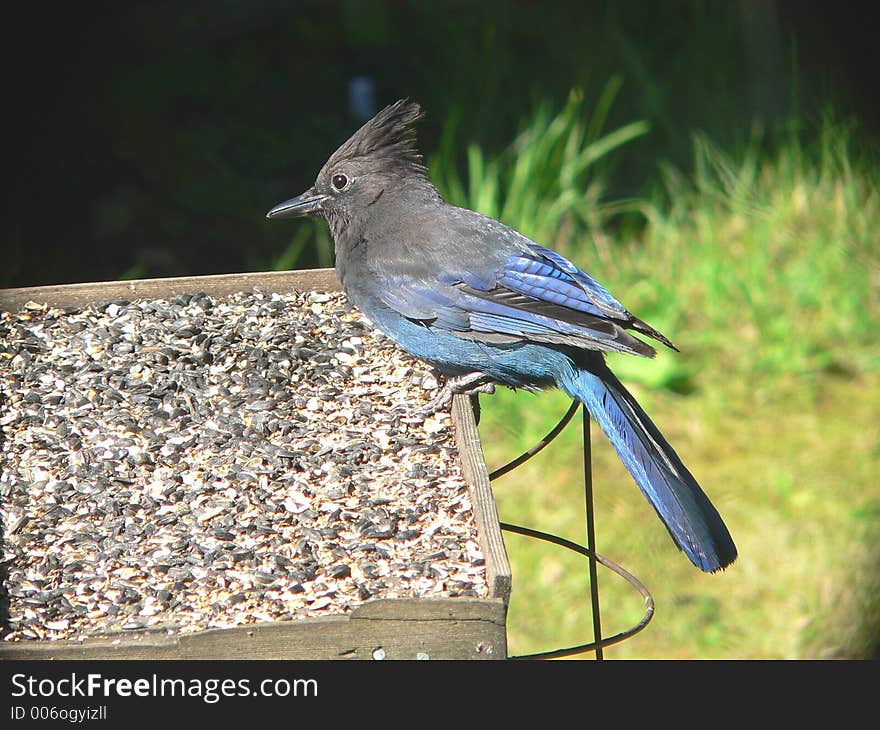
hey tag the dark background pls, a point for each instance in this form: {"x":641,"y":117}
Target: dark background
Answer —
{"x":150,"y":139}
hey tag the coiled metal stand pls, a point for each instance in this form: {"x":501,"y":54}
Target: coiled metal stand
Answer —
{"x":588,"y":550}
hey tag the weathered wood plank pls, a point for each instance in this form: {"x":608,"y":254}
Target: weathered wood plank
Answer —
{"x":77,"y":295}
{"x":473,"y":466}
{"x":453,"y":628}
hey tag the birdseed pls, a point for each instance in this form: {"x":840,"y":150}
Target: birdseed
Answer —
{"x":204,"y":462}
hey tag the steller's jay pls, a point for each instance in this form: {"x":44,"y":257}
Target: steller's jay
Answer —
{"x":485,"y":305}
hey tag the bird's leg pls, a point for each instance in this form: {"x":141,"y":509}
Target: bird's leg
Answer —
{"x":469,"y":384}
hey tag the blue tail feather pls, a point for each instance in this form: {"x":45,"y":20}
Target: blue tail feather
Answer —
{"x":692,"y":520}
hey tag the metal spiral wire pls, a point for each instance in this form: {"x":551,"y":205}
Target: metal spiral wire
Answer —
{"x":599,"y":642}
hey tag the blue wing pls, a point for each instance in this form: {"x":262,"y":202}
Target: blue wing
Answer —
{"x":537,"y":296}
{"x":546,"y":275}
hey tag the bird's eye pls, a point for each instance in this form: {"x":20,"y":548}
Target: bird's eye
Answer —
{"x":339,"y":181}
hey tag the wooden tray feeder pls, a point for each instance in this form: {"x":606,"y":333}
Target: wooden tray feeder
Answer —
{"x":343,"y":526}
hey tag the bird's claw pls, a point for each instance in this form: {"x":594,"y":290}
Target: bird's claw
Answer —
{"x":470,"y":384}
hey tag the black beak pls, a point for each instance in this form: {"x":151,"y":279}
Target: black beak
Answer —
{"x":306,"y":204}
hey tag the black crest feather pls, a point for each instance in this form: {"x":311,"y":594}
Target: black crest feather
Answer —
{"x":389,"y":136}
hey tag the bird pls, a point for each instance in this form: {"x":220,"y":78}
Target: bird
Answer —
{"x":485,"y":306}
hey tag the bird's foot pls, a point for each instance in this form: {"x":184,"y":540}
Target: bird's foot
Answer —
{"x":470,"y":384}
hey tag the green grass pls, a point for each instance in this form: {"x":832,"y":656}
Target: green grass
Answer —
{"x":796,"y":484}
{"x":764,"y":268}
{"x":548,"y":183}
{"x":767,"y":263}
{"x":308,"y":233}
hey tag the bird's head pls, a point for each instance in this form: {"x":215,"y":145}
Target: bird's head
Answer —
{"x":379,"y":158}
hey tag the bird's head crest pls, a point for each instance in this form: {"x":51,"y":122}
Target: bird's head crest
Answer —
{"x":390,"y":136}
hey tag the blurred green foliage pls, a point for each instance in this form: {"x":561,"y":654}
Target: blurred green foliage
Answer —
{"x":151,"y":138}
{"x":548,"y":183}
